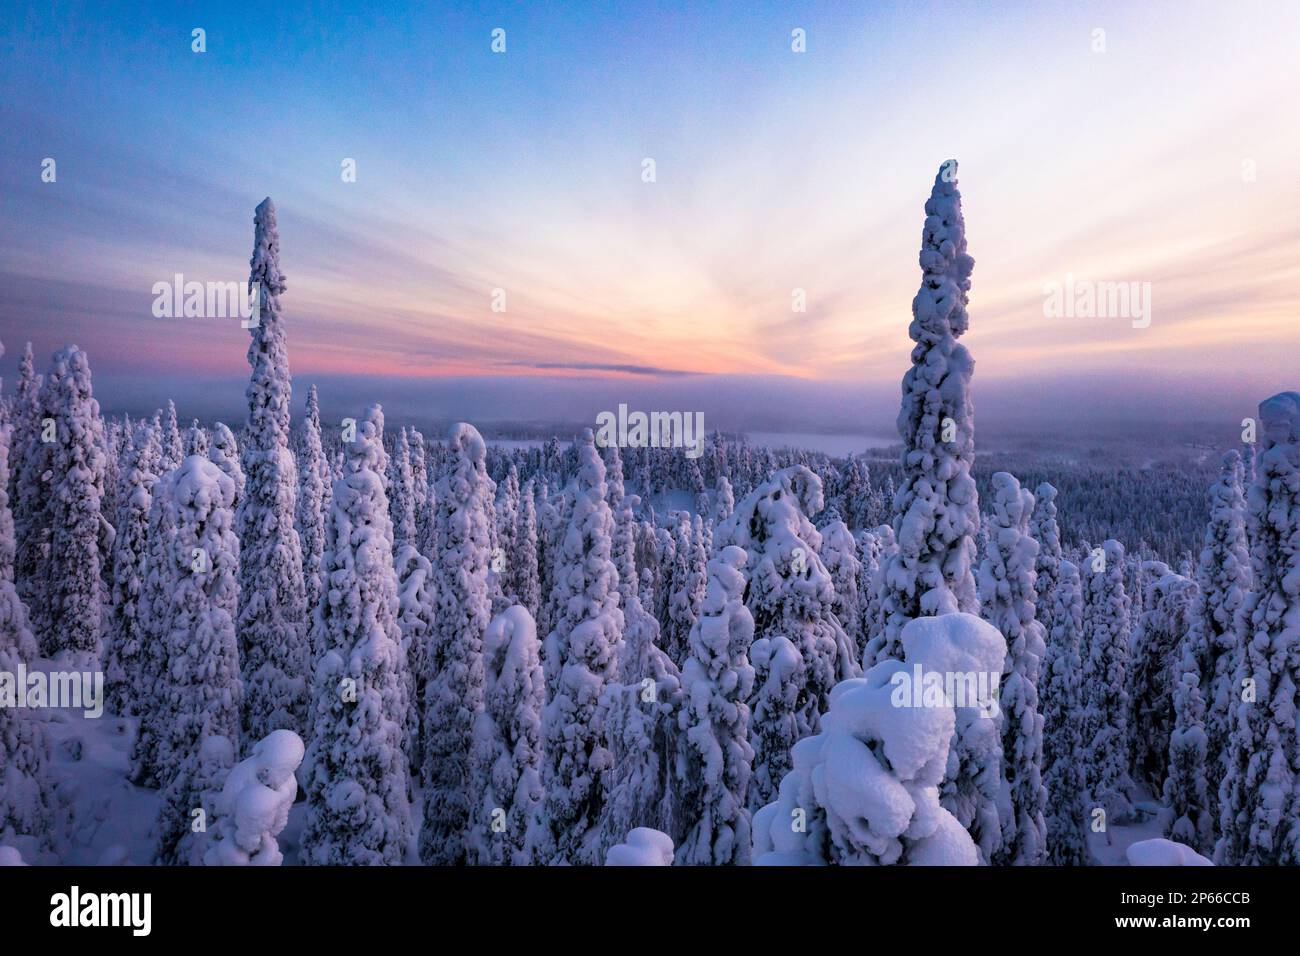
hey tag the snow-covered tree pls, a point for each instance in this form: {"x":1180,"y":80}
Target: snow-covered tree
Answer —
{"x":1155,"y":667}
{"x":28,"y":457}
{"x":580,"y":660}
{"x":507,"y":778}
{"x":790,"y":592}
{"x":356,"y":769}
{"x":877,"y":547}
{"x":196,"y":440}
{"x":68,"y":618}
{"x":454,"y":685}
{"x":1063,"y":769}
{"x":253,"y":805}
{"x":1045,"y":530}
{"x":638,"y":713}
{"x":507,"y":532}
{"x":273,"y":602}
{"x":417,"y":619}
{"x":224,"y":453}
{"x":1107,"y":746}
{"x":27,"y":805}
{"x":1186,"y":817}
{"x":840,"y":554}
{"x":962,"y":645}
{"x":527,"y":577}
{"x":309,"y":519}
{"x":124,"y":678}
{"x":15,"y":628}
{"x":401,"y":496}
{"x":152,"y":611}
{"x":1008,"y":597}
{"x":688,"y":583}
{"x":173,"y":447}
{"x":1259,"y":807}
{"x":717,"y":681}
{"x":779,"y":683}
{"x":936,"y":509}
{"x":199,"y":691}
{"x":724,"y":500}
{"x":864,"y":790}
{"x":1223,"y":577}
{"x":197,"y":781}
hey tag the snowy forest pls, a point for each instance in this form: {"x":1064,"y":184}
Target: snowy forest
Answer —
{"x":327,"y":643}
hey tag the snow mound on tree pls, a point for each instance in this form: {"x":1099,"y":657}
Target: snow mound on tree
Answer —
{"x":1280,"y":416}
{"x":1159,"y":852}
{"x":10,"y":857}
{"x":644,"y":847}
{"x":865,"y":790}
{"x":254,"y":804}
{"x":954,"y":643}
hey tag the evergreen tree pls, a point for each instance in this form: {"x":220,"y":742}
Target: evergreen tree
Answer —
{"x":1223,"y":577}
{"x":173,"y":448}
{"x":356,"y":769}
{"x":840,"y":553}
{"x":790,"y":591}
{"x":580,"y":657}
{"x":401,"y":500}
{"x":272,"y":622}
{"x":507,"y":780}
{"x":124,"y":679}
{"x":454,"y":682}
{"x":200,"y":691}
{"x":1155,"y":669}
{"x":1063,"y":761}
{"x":1006,"y":585}
{"x":309,"y":519}
{"x":28,"y":461}
{"x":68,"y":618}
{"x":416,"y":617}
{"x":717,"y":681}
{"x":527,"y":580}
{"x":1106,"y":742}
{"x":1259,"y":808}
{"x":224,"y":453}
{"x":936,"y":511}
{"x":1045,"y":530}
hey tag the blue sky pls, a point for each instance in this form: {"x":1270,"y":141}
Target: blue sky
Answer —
{"x":775,"y":170}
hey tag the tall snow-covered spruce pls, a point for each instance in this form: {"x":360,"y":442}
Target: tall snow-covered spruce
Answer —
{"x":68,"y":618}
{"x":1259,"y":806}
{"x":272,"y":597}
{"x":581,"y":658}
{"x":936,"y":508}
{"x":1107,"y":747}
{"x":1223,"y":578}
{"x":717,"y":680}
{"x":199,"y":690}
{"x":507,"y":777}
{"x":1063,"y":770}
{"x":454,"y":684}
{"x":1007,"y":588}
{"x":124,"y":679}
{"x":356,"y":772}
{"x":309,"y":518}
